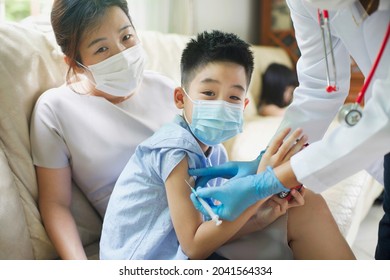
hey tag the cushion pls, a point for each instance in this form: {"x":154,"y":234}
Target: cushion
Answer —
{"x":164,"y":52}
{"x":30,"y":64}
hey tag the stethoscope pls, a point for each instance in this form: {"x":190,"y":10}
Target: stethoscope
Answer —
{"x":350,"y":113}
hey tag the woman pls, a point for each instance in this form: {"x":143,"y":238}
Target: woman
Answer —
{"x":85,"y":131}
{"x":278,"y":84}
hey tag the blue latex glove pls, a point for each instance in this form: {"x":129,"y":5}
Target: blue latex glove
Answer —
{"x":228,"y":170}
{"x":199,"y":206}
{"x":236,"y":195}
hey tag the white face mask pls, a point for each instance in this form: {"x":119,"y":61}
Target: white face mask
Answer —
{"x":120,"y":74}
{"x":330,"y":4}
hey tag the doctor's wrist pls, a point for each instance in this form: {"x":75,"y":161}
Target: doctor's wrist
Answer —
{"x":267,"y":184}
{"x":286,"y":175}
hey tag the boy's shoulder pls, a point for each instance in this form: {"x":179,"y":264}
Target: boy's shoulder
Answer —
{"x":174,"y":134}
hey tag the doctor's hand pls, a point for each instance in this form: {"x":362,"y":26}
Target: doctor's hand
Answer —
{"x":236,"y":195}
{"x":228,"y":170}
{"x":281,"y":149}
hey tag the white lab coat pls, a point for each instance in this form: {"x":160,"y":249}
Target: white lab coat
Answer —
{"x":346,"y":150}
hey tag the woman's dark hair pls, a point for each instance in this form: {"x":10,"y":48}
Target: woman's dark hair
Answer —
{"x":71,"y":19}
{"x":275,"y":80}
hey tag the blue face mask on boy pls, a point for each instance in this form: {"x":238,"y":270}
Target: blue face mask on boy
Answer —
{"x":215,"y":121}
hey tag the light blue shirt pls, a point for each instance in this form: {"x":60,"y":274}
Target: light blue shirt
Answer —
{"x":137,"y":223}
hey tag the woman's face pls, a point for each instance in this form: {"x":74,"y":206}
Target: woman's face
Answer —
{"x":113,"y":35}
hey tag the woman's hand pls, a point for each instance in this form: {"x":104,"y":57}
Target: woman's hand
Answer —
{"x":281,"y":150}
{"x":274,"y":207}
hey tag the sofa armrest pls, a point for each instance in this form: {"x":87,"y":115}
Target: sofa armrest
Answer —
{"x":30,"y":64}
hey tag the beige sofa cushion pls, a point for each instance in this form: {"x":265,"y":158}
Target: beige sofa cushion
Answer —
{"x":164,"y":52}
{"x":30,"y":64}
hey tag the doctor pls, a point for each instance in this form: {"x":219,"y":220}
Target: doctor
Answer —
{"x":357,"y":29}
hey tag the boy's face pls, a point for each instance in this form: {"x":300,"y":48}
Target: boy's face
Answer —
{"x":217,"y":81}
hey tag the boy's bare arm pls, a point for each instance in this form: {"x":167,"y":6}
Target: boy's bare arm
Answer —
{"x":198,"y":239}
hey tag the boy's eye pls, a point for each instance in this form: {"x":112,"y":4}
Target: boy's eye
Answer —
{"x":236,"y":98}
{"x":101,"y":50}
{"x":208,"y":93}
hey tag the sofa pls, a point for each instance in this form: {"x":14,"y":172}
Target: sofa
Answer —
{"x":31,"y":62}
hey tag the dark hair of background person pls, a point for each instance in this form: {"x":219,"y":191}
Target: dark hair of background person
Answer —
{"x":275,"y":80}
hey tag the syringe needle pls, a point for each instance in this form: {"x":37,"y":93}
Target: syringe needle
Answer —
{"x":206,"y":206}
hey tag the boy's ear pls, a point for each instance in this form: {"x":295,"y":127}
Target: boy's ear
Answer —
{"x":246,"y":102}
{"x":179,"y":97}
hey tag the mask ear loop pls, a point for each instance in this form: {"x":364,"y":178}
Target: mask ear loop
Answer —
{"x":76,"y":79}
{"x":185,"y":118}
{"x":184,"y":114}
{"x":192,"y":100}
{"x":86,"y":68}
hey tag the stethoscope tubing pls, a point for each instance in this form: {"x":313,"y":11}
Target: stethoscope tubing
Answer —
{"x":374,"y":66}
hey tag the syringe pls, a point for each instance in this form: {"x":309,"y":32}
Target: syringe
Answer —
{"x":206,"y":206}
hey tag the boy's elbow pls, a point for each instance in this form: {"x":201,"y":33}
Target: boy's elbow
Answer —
{"x":195,"y":253}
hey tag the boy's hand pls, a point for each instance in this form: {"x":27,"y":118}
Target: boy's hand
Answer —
{"x":275,"y":207}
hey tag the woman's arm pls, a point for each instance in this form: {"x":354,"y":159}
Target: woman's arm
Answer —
{"x":198,"y":239}
{"x":55,"y":195}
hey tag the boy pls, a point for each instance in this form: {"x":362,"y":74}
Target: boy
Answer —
{"x":150,"y":214}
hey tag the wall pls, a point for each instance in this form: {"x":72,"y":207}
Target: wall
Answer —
{"x":193,"y":16}
{"x":237,"y":16}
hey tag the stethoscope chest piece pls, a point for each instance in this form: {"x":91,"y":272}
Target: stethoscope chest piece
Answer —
{"x":350,"y":114}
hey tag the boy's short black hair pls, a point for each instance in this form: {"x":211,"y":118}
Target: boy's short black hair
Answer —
{"x":214,"y":46}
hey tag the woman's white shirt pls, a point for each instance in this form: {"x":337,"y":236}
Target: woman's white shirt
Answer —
{"x":96,"y":137}
{"x":347,"y":150}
